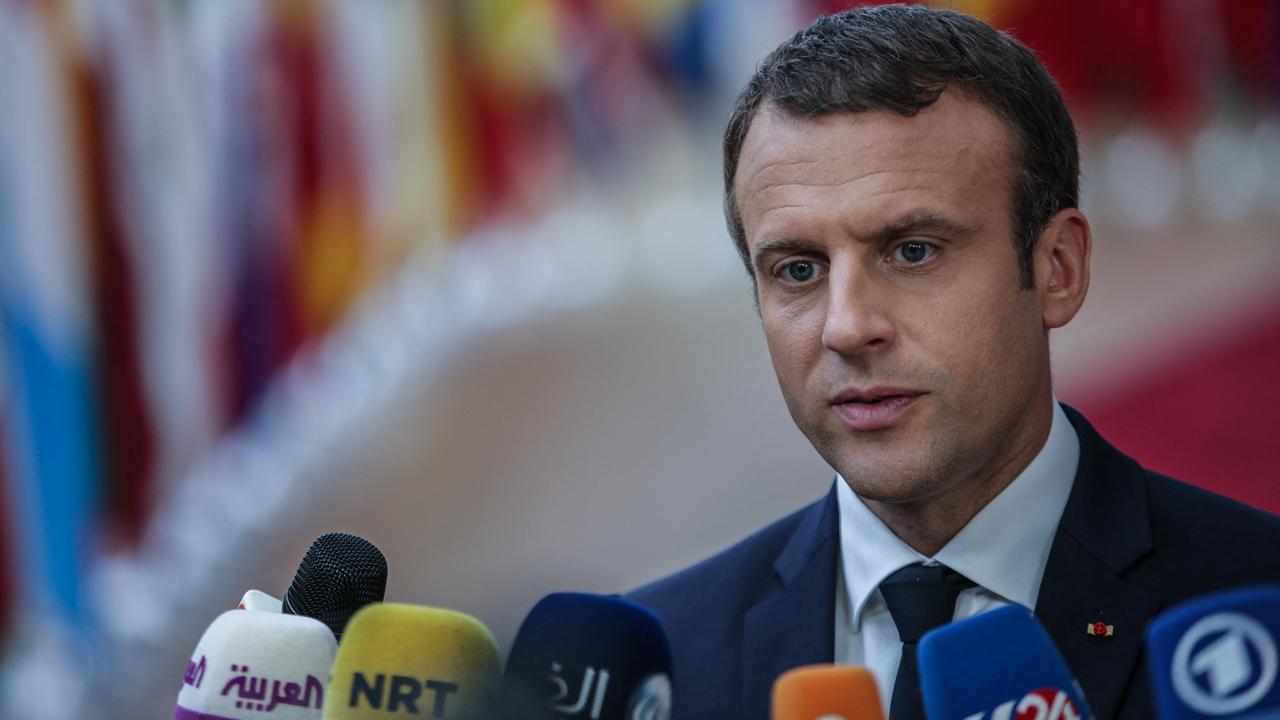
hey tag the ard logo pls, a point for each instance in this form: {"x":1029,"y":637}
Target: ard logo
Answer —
{"x":1224,"y":664}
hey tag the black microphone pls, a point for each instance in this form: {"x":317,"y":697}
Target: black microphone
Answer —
{"x":340,"y":574}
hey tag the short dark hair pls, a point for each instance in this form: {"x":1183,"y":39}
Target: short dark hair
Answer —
{"x":902,"y":58}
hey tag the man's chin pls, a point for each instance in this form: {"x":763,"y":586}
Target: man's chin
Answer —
{"x":890,"y":494}
{"x":891,"y":483}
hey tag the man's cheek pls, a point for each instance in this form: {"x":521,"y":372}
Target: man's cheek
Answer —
{"x":960,"y":333}
{"x":792,"y":357}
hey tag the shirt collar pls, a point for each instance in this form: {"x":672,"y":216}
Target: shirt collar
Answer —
{"x":1003,"y":549}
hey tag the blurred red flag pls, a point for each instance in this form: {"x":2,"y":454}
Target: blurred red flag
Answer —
{"x":326,"y":198}
{"x":128,"y":436}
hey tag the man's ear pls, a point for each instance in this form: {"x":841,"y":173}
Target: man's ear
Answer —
{"x":1062,"y":266}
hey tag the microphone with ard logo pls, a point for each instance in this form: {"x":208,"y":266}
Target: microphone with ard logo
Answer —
{"x":257,"y":665}
{"x":826,"y":692}
{"x":1216,"y":657}
{"x":410,"y":661}
{"x":588,"y":657}
{"x":999,"y":665}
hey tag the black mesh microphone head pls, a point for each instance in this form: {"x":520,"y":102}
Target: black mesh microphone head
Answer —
{"x":340,"y":574}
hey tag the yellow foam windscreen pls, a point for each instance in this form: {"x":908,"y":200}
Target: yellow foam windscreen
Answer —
{"x":410,"y":661}
{"x":826,"y":692}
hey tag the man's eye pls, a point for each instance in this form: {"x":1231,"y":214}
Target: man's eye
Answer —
{"x":799,"y":271}
{"x":914,"y":253}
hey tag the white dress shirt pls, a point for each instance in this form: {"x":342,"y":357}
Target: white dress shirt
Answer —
{"x":1003,"y":549}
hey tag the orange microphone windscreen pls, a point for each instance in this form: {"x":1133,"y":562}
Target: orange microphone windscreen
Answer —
{"x":826,"y":692}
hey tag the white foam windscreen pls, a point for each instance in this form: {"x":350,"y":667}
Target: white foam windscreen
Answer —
{"x":260,"y":601}
{"x":258,"y":664}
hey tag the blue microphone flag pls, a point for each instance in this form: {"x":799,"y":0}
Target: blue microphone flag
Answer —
{"x":1216,"y":657}
{"x":997,"y":666}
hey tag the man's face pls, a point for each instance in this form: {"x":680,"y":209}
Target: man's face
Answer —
{"x":889,"y":291}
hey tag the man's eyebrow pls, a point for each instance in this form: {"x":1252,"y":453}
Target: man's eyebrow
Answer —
{"x":778,"y":245}
{"x":923,"y":221}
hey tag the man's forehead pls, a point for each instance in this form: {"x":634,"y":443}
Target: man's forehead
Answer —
{"x":953,"y":130}
{"x":953,"y":158}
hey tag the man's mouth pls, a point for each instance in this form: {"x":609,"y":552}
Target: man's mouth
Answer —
{"x":873,"y":408}
{"x":872,"y":396}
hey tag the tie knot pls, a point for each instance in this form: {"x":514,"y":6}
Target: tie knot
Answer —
{"x":921,"y":598}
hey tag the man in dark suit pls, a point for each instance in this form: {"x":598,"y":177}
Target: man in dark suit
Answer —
{"x":902,"y":185}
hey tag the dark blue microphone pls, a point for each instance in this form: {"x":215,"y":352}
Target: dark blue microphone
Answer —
{"x":591,"y":657}
{"x":997,"y":666}
{"x":1216,"y":657}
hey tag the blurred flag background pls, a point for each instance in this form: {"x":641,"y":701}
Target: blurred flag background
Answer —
{"x":453,"y":276}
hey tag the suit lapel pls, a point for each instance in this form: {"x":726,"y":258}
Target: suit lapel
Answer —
{"x":1104,"y":530}
{"x":794,"y":623}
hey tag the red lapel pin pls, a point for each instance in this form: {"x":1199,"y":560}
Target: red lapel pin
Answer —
{"x":1101,"y":629}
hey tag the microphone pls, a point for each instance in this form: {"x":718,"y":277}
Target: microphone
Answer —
{"x":250,"y":663}
{"x":1216,"y":657}
{"x":411,"y":661}
{"x":340,"y":574}
{"x":591,"y":657}
{"x":260,"y":601}
{"x":837,"y":692}
{"x":997,"y":666}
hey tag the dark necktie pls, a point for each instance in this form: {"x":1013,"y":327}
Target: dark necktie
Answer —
{"x":920,"y":598}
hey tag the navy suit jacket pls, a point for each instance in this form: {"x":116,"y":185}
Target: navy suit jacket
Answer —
{"x":1130,"y":543}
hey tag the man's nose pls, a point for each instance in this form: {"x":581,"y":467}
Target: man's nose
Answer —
{"x":858,"y":319}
